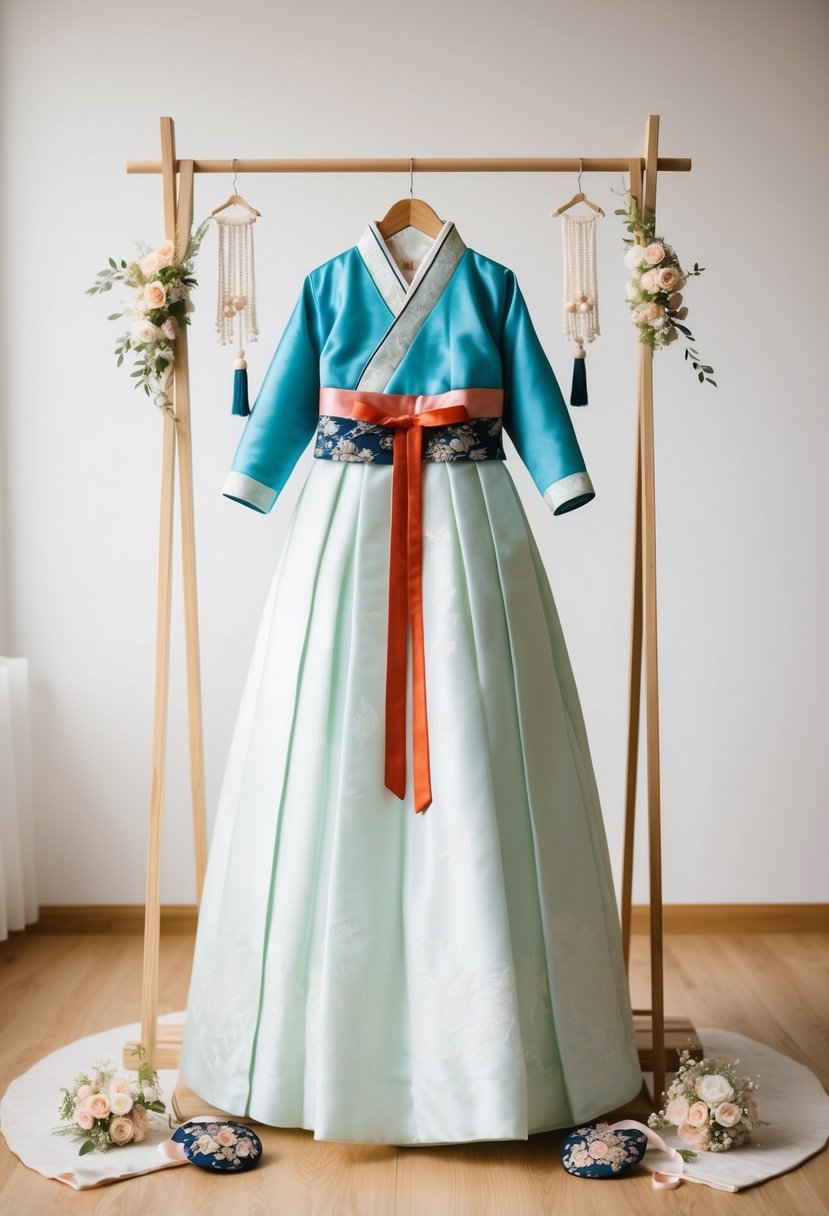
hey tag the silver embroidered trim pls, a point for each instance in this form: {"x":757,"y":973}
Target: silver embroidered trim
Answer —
{"x":565,"y":488}
{"x":388,"y":284}
{"x":239,"y":485}
{"x":416,"y":307}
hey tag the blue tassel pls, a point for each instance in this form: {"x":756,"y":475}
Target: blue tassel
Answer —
{"x":578,"y":392}
{"x":240,"y":389}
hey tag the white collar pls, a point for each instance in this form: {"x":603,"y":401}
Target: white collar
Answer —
{"x":411,"y":244}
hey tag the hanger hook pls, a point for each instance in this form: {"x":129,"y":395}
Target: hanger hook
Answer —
{"x":233,"y":171}
{"x":581,"y":170}
{"x":411,"y":177}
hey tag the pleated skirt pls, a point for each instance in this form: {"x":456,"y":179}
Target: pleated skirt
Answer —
{"x":381,"y":976}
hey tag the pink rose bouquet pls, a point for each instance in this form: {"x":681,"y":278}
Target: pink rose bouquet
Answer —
{"x":159,"y":307}
{"x":107,"y":1108}
{"x":711,"y":1106}
{"x":654,"y":290}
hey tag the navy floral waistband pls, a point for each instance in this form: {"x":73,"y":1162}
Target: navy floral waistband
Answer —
{"x":352,"y":439}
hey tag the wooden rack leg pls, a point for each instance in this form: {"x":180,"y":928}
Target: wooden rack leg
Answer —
{"x":635,"y":678}
{"x":184,"y":223}
{"x":651,"y":658}
{"x":644,"y":628}
{"x":152,"y":910}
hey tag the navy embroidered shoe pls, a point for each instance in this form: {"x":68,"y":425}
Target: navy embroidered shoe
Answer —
{"x":602,"y":1151}
{"x":223,"y":1145}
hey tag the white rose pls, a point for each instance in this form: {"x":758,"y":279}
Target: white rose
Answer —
{"x":714,"y":1089}
{"x":677,"y":1111}
{"x":631,"y":289}
{"x":120,"y":1103}
{"x":145,"y":331}
{"x":150,"y":264}
{"x":150,"y":1094}
{"x":634,"y":256}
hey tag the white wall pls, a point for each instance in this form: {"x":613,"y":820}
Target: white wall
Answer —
{"x":741,"y":469}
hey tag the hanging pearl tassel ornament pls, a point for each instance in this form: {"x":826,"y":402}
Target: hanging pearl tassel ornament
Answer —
{"x":237,"y":297}
{"x":581,"y":294}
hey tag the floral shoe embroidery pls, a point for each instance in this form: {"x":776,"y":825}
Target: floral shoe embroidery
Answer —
{"x":225,"y":1146}
{"x":597,"y":1152}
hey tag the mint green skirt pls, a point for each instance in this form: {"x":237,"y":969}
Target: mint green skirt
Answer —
{"x":381,"y":976}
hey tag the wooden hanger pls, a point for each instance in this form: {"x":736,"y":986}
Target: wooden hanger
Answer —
{"x":235,"y":198}
{"x":580,"y":197}
{"x":410,"y":212}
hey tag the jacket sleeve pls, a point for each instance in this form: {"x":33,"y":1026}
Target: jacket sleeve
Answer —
{"x":536,"y":417}
{"x":284,"y":415}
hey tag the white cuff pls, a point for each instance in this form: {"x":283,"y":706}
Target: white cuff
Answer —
{"x":569,"y":492}
{"x":247,"y":490}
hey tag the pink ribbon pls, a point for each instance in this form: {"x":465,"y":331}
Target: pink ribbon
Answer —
{"x":660,"y":1181}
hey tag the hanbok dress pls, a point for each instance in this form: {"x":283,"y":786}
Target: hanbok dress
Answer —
{"x":408,"y":932}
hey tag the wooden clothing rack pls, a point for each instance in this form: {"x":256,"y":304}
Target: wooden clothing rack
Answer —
{"x":163,"y":1041}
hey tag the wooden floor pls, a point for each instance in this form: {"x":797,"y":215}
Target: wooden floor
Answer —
{"x":55,"y":988}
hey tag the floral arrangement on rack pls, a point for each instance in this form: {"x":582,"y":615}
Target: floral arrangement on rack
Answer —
{"x":711,"y":1106}
{"x":159,"y":307}
{"x":654,"y":292}
{"x":107,"y":1108}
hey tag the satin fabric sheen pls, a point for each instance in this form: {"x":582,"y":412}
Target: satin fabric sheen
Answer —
{"x":478,"y":335}
{"x":383,"y":976}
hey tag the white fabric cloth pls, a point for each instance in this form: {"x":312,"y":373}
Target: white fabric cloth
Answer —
{"x":28,"y":1113}
{"x":790,"y":1097}
{"x":18,"y":896}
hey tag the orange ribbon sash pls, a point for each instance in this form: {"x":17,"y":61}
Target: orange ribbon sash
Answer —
{"x":406,"y":595}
